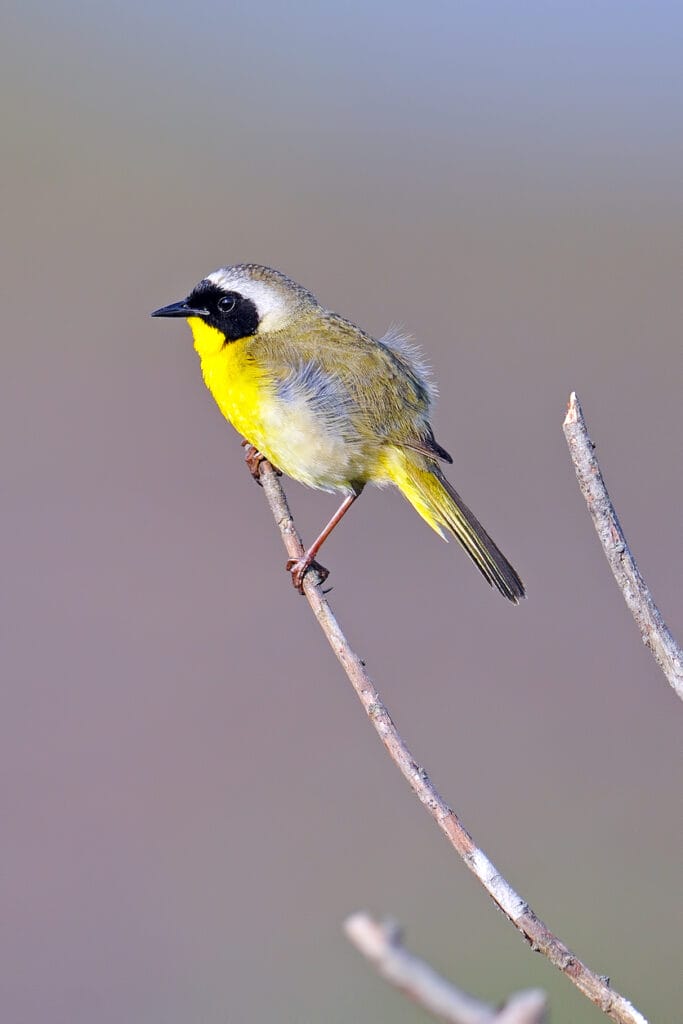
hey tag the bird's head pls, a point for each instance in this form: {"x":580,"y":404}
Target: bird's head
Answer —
{"x":239,"y":302}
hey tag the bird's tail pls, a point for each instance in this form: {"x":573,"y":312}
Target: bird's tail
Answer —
{"x":430,"y":493}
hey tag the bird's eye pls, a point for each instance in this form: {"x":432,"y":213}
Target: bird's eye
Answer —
{"x":227,"y":303}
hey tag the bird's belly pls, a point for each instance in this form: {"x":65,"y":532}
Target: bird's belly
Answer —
{"x":304,"y":445}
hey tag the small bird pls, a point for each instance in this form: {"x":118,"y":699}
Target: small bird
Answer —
{"x":327,"y":404}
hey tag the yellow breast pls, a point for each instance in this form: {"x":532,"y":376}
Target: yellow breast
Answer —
{"x":292,"y":433}
{"x":233,"y":379}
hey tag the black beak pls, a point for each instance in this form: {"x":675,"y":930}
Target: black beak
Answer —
{"x":179,"y":309}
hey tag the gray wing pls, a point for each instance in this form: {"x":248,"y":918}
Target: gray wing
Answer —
{"x":363,"y":389}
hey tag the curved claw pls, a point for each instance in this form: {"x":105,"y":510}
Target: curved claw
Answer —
{"x":253,"y":459}
{"x":298,"y":567}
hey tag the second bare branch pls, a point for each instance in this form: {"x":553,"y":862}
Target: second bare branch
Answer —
{"x":382,"y":944}
{"x":653,"y":629}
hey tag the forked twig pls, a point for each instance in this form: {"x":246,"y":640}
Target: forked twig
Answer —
{"x":654,"y":631}
{"x":540,"y":938}
{"x":381,"y":943}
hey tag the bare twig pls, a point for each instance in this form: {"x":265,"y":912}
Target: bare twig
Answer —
{"x":540,"y":938}
{"x":382,"y":944}
{"x":653,"y":629}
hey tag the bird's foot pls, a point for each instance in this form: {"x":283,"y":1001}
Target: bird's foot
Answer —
{"x":253,"y":459}
{"x":298,"y":567}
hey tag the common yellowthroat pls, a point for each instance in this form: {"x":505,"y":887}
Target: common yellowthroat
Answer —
{"x":327,"y":404}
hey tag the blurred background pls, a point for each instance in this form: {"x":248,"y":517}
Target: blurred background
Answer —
{"x":191,"y":798}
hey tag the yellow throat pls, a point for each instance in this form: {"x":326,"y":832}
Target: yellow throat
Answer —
{"x":232,"y":377}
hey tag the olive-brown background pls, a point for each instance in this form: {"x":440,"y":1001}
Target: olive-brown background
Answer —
{"x":191,"y":797}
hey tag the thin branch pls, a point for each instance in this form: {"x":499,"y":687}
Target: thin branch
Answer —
{"x":381,"y":943}
{"x":540,"y":938}
{"x":653,"y":630}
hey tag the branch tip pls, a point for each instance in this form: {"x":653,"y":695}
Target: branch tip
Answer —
{"x":574,"y":412}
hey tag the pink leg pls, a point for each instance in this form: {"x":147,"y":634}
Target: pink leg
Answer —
{"x":298,"y":567}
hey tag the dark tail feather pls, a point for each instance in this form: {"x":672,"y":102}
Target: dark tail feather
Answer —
{"x":485,"y":554}
{"x":437,"y":501}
